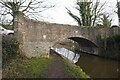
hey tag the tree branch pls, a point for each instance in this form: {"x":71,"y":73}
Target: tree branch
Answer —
{"x":27,"y":6}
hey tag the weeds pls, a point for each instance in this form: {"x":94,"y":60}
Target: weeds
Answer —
{"x":74,"y":71}
{"x":27,"y":68}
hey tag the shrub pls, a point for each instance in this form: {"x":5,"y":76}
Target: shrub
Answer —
{"x":9,"y":48}
{"x":113,"y":47}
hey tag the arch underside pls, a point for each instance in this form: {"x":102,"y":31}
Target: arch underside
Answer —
{"x":83,"y":42}
{"x":86,"y":45}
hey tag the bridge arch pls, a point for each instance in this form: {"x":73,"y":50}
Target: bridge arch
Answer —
{"x":85,"y":45}
{"x":83,"y":42}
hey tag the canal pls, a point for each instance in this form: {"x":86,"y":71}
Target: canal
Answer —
{"x":98,"y":67}
{"x":94,"y":66}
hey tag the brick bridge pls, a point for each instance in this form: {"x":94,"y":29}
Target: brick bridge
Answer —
{"x":37,"y":37}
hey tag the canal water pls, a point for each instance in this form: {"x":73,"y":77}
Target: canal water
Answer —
{"x":96,"y":67}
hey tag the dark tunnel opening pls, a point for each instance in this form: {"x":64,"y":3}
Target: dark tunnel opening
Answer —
{"x":85,"y":45}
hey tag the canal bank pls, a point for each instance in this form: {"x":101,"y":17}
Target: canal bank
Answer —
{"x":64,"y":68}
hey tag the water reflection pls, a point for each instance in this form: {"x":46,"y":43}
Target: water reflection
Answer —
{"x":73,"y":57}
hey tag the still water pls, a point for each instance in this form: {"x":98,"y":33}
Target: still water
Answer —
{"x":94,"y":66}
{"x":98,"y":67}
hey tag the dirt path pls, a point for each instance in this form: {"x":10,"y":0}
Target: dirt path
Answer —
{"x":57,"y":69}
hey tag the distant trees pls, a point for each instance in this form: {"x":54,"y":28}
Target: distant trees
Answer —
{"x":106,"y":22}
{"x":28,"y":7}
{"x":89,"y":12}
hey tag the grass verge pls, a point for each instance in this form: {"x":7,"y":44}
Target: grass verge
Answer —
{"x":74,"y":71}
{"x":26,"y":68}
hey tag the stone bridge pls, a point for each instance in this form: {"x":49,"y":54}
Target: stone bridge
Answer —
{"x":36,"y":38}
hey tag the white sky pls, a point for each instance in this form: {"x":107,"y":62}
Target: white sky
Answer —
{"x":59,"y":14}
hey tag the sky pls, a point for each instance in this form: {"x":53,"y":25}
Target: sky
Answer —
{"x":59,"y":14}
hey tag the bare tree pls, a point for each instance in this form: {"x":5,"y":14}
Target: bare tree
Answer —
{"x":89,"y":12}
{"x":28,"y":7}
